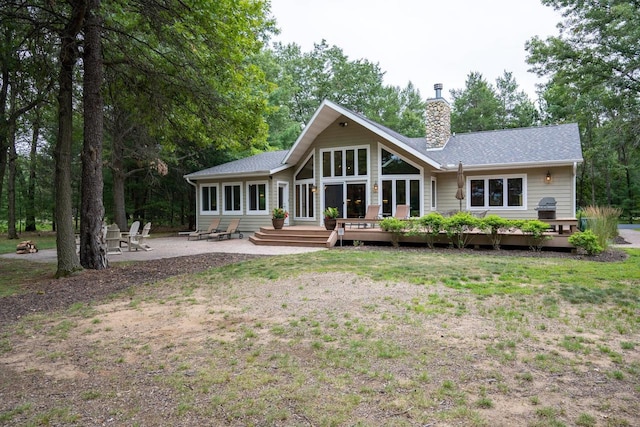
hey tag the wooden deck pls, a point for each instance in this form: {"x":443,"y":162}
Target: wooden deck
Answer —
{"x":369,"y":231}
{"x":299,"y":235}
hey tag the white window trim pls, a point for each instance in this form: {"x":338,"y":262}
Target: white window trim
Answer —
{"x":299,"y":169}
{"x":505,"y":206}
{"x":433,"y":190}
{"x":306,"y":181}
{"x":303,"y":182}
{"x":264,"y":211}
{"x":223,"y":198}
{"x":344,"y":176}
{"x":407,"y":179}
{"x":400,"y":177}
{"x":207,"y":212}
{"x":379,"y":165}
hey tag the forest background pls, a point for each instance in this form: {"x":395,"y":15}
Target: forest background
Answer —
{"x":104,"y":106}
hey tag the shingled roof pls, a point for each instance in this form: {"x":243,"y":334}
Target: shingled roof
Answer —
{"x":559,"y":144}
{"x":556,"y":144}
{"x":532,"y":146}
{"x":261,"y":164}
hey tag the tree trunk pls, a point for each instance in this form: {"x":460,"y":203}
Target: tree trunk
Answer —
{"x":30,"y":203}
{"x":11,"y":182}
{"x":68,"y":261}
{"x":93,"y":252}
{"x":4,"y":91}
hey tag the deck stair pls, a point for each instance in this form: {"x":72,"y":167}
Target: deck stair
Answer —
{"x":294,"y":236}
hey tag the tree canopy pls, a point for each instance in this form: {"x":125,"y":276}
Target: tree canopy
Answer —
{"x":593,"y":69}
{"x":480,"y":106}
{"x":189,"y":84}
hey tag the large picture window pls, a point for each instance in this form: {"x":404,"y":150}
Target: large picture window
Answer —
{"x":497,"y":192}
{"x":256,"y":198}
{"x":345,"y":162}
{"x":233,"y":198}
{"x":401,"y":184}
{"x":392,"y":164}
{"x":209,"y":199}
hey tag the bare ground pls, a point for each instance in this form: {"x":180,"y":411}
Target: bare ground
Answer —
{"x":107,"y":369}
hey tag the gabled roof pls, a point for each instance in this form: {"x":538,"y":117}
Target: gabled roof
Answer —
{"x":508,"y":148}
{"x":266,"y":163}
{"x":327,"y":113}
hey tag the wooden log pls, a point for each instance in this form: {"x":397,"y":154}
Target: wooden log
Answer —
{"x":26,"y":247}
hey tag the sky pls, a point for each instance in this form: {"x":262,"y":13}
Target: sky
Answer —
{"x":424,"y":41}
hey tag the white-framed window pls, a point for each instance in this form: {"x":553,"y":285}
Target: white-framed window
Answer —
{"x":497,"y":192}
{"x":401,"y":183}
{"x":257,"y":199}
{"x":209,"y":199}
{"x":232,"y":198}
{"x":304,"y":196}
{"x":434,"y":194}
{"x":345,"y":162}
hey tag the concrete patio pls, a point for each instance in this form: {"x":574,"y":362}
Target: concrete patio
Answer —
{"x":169,"y":247}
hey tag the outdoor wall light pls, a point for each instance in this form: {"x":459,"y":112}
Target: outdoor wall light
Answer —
{"x":547,"y":178}
{"x":343,"y":124}
{"x":313,"y":188}
{"x":375,"y":187}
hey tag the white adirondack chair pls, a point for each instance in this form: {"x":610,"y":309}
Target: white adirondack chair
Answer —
{"x":139,"y":241}
{"x":113,"y":239}
{"x":126,"y":236}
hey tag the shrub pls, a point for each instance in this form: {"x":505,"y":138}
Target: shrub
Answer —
{"x":396,"y":227}
{"x":429,"y":226}
{"x":534,"y":228}
{"x":587,"y":241}
{"x":458,"y":228}
{"x":494,"y":225}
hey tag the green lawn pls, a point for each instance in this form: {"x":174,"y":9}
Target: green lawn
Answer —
{"x":44,"y":240}
{"x":343,"y":337}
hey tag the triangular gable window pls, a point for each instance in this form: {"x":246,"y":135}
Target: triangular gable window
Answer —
{"x":394,"y":165}
{"x":307,"y":170}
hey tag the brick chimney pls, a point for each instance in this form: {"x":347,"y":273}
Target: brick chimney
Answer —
{"x":438,"y":124}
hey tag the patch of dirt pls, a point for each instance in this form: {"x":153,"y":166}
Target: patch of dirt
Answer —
{"x":95,"y":285}
{"x":238,"y":353}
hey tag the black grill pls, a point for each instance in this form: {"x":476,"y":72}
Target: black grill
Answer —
{"x":546,"y":208}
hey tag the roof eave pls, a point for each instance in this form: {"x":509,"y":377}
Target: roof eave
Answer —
{"x":500,"y":166}
{"x":237,"y":174}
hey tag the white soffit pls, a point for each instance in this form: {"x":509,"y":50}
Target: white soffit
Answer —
{"x":324,"y":116}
